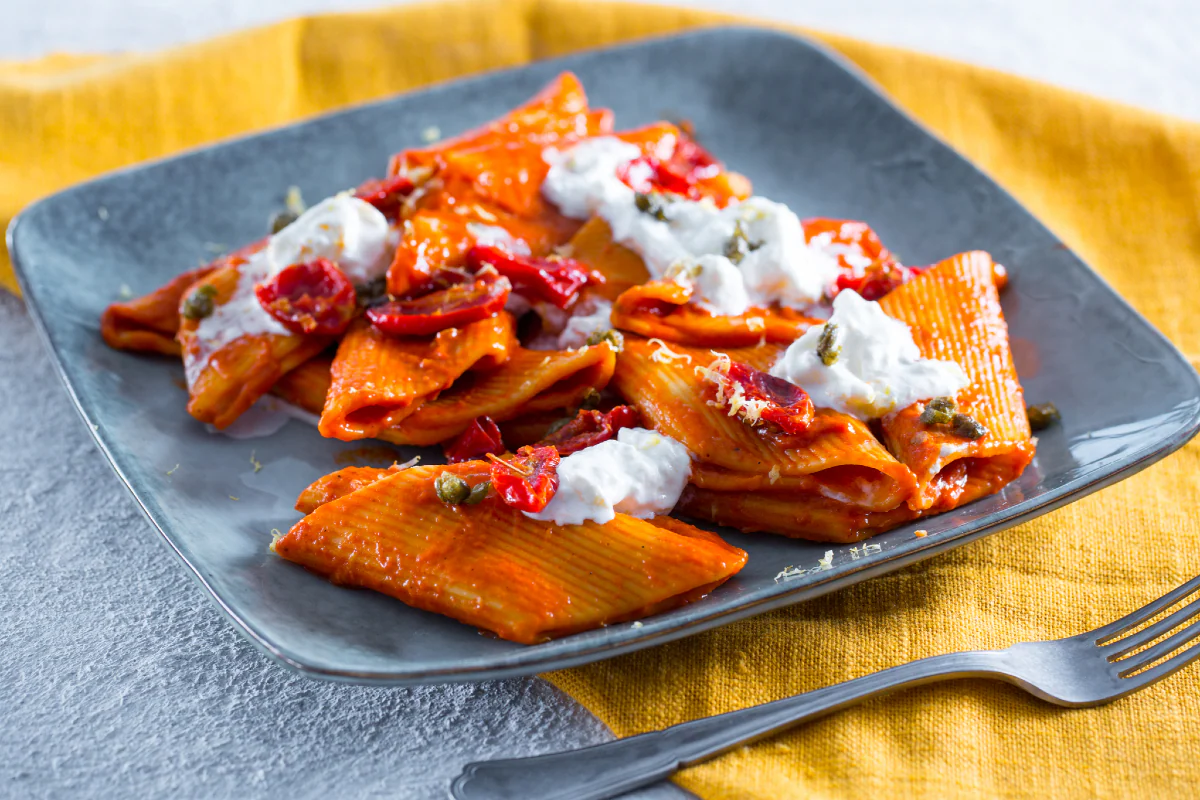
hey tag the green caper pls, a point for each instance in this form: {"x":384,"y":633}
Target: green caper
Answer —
{"x":199,"y":304}
{"x":1043,"y":415}
{"x":828,"y":349}
{"x":938,"y":411}
{"x":451,"y":489}
{"x":479,"y":493}
{"x":590,"y":399}
{"x":282,"y":220}
{"x":614,"y":338}
{"x":967,"y":427}
{"x":648,"y":204}
{"x":739,"y":244}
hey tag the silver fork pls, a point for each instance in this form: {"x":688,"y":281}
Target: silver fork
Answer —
{"x":1085,"y":670}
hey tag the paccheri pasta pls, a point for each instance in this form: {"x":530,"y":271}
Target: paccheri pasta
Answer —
{"x":597,"y":327}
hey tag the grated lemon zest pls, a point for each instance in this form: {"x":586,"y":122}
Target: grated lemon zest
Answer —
{"x":171,"y":471}
{"x":257,"y":464}
{"x":431,"y":134}
{"x":773,"y":475}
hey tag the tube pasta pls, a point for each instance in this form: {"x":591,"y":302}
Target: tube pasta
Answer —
{"x":378,"y":380}
{"x":492,"y":567}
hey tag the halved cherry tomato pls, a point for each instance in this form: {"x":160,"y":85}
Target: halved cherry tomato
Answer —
{"x":589,"y":428}
{"x":481,"y":437}
{"x":788,"y":407}
{"x":680,"y":174}
{"x":386,"y":194}
{"x":557,"y":281}
{"x":528,"y":480}
{"x":311,"y":298}
{"x":446,"y":308}
{"x":877,"y":281}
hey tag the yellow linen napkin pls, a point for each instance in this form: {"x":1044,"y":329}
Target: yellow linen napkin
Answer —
{"x":1121,"y":186}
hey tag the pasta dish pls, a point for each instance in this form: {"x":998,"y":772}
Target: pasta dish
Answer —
{"x":609,"y":338}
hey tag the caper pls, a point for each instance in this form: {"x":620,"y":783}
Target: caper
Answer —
{"x":967,"y":427}
{"x":479,"y":493}
{"x":739,"y":244}
{"x":282,"y":220}
{"x":451,"y":489}
{"x":1043,"y":415}
{"x":828,"y":349}
{"x":615,"y":339}
{"x":938,"y":411}
{"x":199,"y":304}
{"x":590,"y":399}
{"x":647,"y":204}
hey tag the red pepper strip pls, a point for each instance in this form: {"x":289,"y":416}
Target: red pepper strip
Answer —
{"x":877,"y":281}
{"x":528,"y":480}
{"x":386,"y":194}
{"x":556,"y":281}
{"x":448,"y":308}
{"x":589,"y":428}
{"x":790,"y":408}
{"x":481,"y":437}
{"x":311,"y":298}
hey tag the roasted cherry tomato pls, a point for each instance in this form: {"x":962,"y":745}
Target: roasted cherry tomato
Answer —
{"x":759,"y":398}
{"x":481,"y":437}
{"x":680,"y":174}
{"x":528,"y":480}
{"x":453,"y":307}
{"x":314,"y":298}
{"x":588,"y":428}
{"x":877,"y":281}
{"x":557,"y":281}
{"x":386,"y":194}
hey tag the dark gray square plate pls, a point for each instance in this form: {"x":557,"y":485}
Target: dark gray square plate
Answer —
{"x":805,"y":127}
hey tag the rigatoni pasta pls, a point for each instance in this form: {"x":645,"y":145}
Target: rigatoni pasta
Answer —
{"x":603,"y":333}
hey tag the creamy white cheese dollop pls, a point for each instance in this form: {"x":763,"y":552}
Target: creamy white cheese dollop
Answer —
{"x":878,"y":369}
{"x":780,"y":266}
{"x":593,"y":314}
{"x":641,"y":473}
{"x":349,"y":232}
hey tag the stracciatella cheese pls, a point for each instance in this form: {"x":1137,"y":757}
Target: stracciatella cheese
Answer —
{"x":343,"y":229}
{"x":691,"y":238}
{"x":641,"y":473}
{"x":878,"y":367}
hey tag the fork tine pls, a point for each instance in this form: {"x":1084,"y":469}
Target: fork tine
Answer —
{"x":1163,"y":670}
{"x":1114,"y":629}
{"x":1152,"y":654}
{"x":1168,"y":623}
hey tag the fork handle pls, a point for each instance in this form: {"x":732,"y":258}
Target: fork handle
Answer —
{"x":609,"y":769}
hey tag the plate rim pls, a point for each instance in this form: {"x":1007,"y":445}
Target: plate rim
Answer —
{"x":527,"y":660}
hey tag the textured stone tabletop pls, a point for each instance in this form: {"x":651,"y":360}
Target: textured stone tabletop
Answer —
{"x":118,"y":677}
